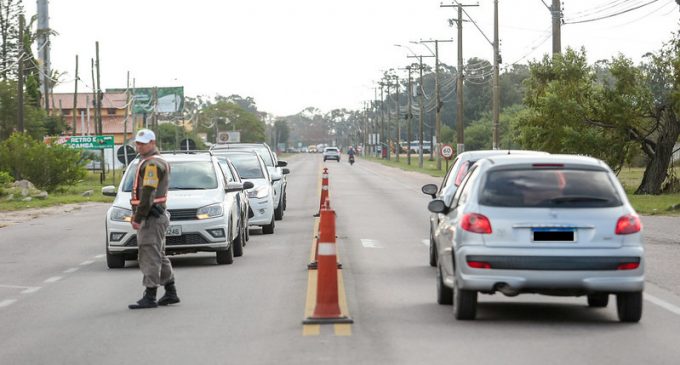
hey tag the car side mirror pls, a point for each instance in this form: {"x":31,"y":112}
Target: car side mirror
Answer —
{"x":437,"y":206}
{"x":233,"y":187}
{"x":285,"y":171}
{"x":281,"y":163}
{"x":430,"y":189}
{"x":248,"y":185}
{"x":109,"y":190}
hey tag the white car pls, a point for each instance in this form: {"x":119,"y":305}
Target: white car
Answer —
{"x":251,"y":168}
{"x":460,"y":166}
{"x":331,"y":153}
{"x":546,"y":224}
{"x":204,"y":215}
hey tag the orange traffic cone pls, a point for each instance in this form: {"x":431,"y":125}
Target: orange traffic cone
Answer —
{"x":314,"y":264}
{"x":324,"y":190}
{"x":327,"y":309}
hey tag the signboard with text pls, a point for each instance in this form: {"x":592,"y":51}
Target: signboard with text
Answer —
{"x":83,"y":142}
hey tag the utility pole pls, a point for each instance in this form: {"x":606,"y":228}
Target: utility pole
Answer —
{"x":438,"y":118}
{"x":409,"y":117}
{"x":421,"y":111}
{"x":398,"y":145}
{"x":496,"y":87}
{"x":460,"y":126}
{"x":556,"y":12}
{"x":99,"y":94}
{"x":127,"y":113}
{"x":44,"y":47}
{"x":382,"y":122}
{"x":75,"y":99}
{"x":389,"y":121}
{"x":94,"y":99}
{"x":20,"y":84}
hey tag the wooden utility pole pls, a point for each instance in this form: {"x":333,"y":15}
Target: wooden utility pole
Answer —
{"x":99,"y":94}
{"x":496,"y":87}
{"x":556,"y":12}
{"x":94,"y":99}
{"x":421,"y":111}
{"x":127,"y":113}
{"x":437,"y":86}
{"x":382,"y":121}
{"x":20,"y":84}
{"x":398,"y":145}
{"x":409,"y":117}
{"x":75,"y":99}
{"x":460,"y":125}
{"x":389,"y":121}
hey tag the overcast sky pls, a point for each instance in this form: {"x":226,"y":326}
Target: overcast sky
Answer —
{"x":293,"y":54}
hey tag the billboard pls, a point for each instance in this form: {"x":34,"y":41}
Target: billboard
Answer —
{"x":170,"y":99}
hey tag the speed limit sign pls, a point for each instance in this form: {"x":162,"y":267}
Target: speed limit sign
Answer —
{"x":446,"y":151}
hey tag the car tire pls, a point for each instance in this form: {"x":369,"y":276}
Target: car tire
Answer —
{"x":433,"y":251}
{"x":285,"y":201}
{"x":464,"y":303}
{"x":269,"y":228}
{"x":238,"y":243}
{"x":444,"y":293}
{"x":599,"y":300}
{"x":278,"y":212}
{"x":115,"y":261}
{"x":225,"y":257}
{"x":629,"y":306}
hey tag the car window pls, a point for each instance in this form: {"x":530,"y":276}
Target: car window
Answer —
{"x":224,"y":165}
{"x":247,"y":166}
{"x":445,"y":181}
{"x":130,"y":176}
{"x":463,"y":191}
{"x":261,"y":150}
{"x":461,"y":172}
{"x":554,"y":188}
{"x":192,"y":175}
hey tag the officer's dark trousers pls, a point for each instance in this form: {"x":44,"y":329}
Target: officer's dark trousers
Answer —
{"x":155,"y":266}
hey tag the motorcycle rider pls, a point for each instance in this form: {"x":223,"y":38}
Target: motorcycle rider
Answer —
{"x":350,"y":153}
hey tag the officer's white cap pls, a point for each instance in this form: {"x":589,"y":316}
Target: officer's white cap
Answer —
{"x":145,"y":136}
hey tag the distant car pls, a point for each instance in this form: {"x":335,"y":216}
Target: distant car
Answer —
{"x":552,"y":224}
{"x":274,"y":166}
{"x":331,"y":153}
{"x":460,"y":166}
{"x":251,"y":168}
{"x":204,"y":215}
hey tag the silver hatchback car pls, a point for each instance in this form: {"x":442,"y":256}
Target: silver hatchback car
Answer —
{"x":546,"y":224}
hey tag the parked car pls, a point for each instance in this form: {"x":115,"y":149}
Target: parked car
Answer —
{"x":460,"y":166}
{"x":231,"y":175}
{"x":547,"y":224}
{"x":274,"y":166}
{"x":251,"y":168}
{"x":331,"y":153}
{"x":204,"y":215}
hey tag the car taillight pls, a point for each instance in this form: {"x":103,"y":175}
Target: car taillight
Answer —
{"x":628,"y":266}
{"x":628,"y":224}
{"x":477,"y":223}
{"x":479,"y":264}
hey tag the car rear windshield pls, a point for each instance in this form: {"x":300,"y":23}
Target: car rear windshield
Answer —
{"x":553,"y":188}
{"x":331,"y":150}
{"x":184,"y":175}
{"x":247,"y":166}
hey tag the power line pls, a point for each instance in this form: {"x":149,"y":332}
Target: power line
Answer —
{"x":611,"y":15}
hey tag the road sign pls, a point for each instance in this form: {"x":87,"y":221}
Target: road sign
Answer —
{"x":446,"y":151}
{"x":130,"y":154}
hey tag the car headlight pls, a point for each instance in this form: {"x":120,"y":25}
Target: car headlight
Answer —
{"x":211,"y":211}
{"x":259,"y":192}
{"x":121,"y":215}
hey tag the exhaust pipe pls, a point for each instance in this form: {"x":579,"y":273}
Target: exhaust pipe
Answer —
{"x":506,"y":289}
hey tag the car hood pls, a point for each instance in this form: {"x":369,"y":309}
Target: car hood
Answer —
{"x":180,"y":199}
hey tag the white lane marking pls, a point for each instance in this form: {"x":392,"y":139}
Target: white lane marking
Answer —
{"x":662,"y":303}
{"x":53,"y":279}
{"x":68,"y":271}
{"x":14,"y":286}
{"x":30,"y":290}
{"x":369,"y":243}
{"x":98,"y":256}
{"x":7,"y":302}
{"x":86,"y":262}
{"x":426,"y":242}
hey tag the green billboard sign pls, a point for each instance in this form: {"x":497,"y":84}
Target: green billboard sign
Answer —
{"x":88,"y":142}
{"x":170,"y":99}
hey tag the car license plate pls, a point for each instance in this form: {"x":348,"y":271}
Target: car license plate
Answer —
{"x":553,"y":234}
{"x":173,"y":231}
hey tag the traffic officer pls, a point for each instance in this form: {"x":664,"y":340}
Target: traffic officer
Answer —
{"x":150,"y":220}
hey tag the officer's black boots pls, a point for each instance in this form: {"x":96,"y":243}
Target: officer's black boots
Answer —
{"x":147,"y":301}
{"x":170,"y":296}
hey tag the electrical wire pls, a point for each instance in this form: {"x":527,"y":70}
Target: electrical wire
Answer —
{"x":611,"y":15}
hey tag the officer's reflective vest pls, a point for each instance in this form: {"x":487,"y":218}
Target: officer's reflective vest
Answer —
{"x":159,"y":199}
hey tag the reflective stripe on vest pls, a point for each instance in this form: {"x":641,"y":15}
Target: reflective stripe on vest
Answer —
{"x":161,"y":199}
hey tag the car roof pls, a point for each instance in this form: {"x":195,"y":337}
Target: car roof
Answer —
{"x":574,"y":160}
{"x":476,"y":155}
{"x":226,"y":146}
{"x":204,"y":156}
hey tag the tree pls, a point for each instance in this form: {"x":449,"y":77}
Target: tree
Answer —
{"x":281,"y":133}
{"x":227,"y":116}
{"x":9,"y":35}
{"x":572,"y":110}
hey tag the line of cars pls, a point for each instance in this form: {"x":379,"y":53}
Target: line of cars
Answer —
{"x":213,"y":198}
{"x":519,"y":222}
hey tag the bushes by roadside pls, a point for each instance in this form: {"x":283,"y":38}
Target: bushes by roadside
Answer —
{"x":48,"y":166}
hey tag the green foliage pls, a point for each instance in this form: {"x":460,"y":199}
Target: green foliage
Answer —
{"x":48,"y":167}
{"x":230,"y":117}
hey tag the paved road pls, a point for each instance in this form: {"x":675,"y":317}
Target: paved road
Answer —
{"x":60,"y":304}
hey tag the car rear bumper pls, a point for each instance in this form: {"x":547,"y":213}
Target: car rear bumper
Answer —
{"x":337,"y":158}
{"x":593,"y":270}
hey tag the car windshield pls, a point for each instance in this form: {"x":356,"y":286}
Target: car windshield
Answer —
{"x":550,"y":188}
{"x":184,"y":175}
{"x":261,"y":150}
{"x":247,"y":166}
{"x":331,"y":150}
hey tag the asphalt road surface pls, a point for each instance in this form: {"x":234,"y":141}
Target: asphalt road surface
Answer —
{"x":60,"y":304}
